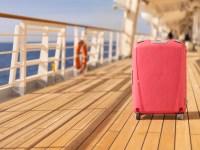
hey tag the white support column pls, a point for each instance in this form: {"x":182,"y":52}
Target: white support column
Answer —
{"x":43,"y":67}
{"x":15,"y":53}
{"x":196,"y":23}
{"x":117,"y":46}
{"x":76,"y":40}
{"x":23,"y":59}
{"x":63,"y":56}
{"x":130,"y":22}
{"x":102,"y":47}
{"x":110,"y":46}
{"x":154,"y":30}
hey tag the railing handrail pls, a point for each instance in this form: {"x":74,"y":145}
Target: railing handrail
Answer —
{"x":26,"y":18}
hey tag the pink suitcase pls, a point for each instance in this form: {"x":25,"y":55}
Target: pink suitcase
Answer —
{"x":159,"y":78}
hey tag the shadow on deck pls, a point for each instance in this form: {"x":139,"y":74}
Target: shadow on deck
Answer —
{"x":94,"y":111}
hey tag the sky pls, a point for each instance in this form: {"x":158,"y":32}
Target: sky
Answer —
{"x":90,"y":12}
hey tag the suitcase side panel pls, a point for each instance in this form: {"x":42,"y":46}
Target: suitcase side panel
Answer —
{"x":159,"y":79}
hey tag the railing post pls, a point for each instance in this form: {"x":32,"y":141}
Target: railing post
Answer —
{"x":60,"y":52}
{"x":63,"y":56}
{"x":93,"y":51}
{"x":117,"y":46}
{"x":15,"y":53}
{"x":43,"y":67}
{"x":110,"y":46}
{"x":76,"y":40}
{"x":102,"y":48}
{"x":23,"y":59}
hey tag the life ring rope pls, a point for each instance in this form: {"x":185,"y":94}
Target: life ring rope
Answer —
{"x":81,"y":48}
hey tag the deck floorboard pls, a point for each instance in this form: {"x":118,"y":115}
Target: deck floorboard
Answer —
{"x":94,"y":111}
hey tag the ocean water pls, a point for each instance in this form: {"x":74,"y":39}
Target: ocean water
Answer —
{"x":5,"y":59}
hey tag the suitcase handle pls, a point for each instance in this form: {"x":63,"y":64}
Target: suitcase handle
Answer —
{"x":165,"y":41}
{"x":159,"y":41}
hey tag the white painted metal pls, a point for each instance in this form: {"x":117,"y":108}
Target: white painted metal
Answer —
{"x":130,"y":22}
{"x":93,"y":48}
{"x":196,"y":29}
{"x":63,"y":49}
{"x":23,"y":57}
{"x":43,"y":67}
{"x":15,"y":53}
{"x":118,"y":50}
{"x":101,"y":42}
{"x":58,"y":50}
{"x":110,"y":46}
{"x":154,"y":29}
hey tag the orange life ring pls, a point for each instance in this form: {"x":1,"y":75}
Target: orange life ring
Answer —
{"x":81,"y":48}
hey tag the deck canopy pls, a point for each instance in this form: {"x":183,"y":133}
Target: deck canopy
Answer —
{"x":175,"y":14}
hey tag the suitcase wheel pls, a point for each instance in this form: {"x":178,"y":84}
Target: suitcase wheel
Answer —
{"x":137,"y":116}
{"x":180,"y":116}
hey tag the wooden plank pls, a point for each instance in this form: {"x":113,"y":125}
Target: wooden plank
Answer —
{"x":120,"y":122}
{"x":84,"y":122}
{"x":108,"y":85}
{"x":182,"y":140}
{"x":65,"y":138}
{"x":106,"y":141}
{"x":75,"y":142}
{"x":23,"y":134}
{"x":153,"y":135}
{"x":168,"y":133}
{"x":58,"y":102}
{"x":25,"y":122}
{"x":5,"y":116}
{"x":59,"y":86}
{"x":195,"y":81}
{"x":83,"y":101}
{"x":47,"y":131}
{"x":14,"y":144}
{"x":75,"y":130}
{"x":124,"y":135}
{"x":87,"y":86}
{"x":19,"y":100}
{"x":91,"y":141}
{"x":13,"y":122}
{"x":47,"y":141}
{"x":107,"y":100}
{"x":33,"y":103}
{"x":77,"y":86}
{"x":39,"y":127}
{"x":126,"y":87}
{"x":193,"y":111}
{"x":139,"y":134}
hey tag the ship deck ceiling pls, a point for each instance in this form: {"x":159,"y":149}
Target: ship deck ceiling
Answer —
{"x":94,"y":111}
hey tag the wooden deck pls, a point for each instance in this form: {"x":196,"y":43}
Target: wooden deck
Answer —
{"x":94,"y":112}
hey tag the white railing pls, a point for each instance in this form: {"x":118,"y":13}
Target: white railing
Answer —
{"x":32,"y":35}
{"x":52,"y":42}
